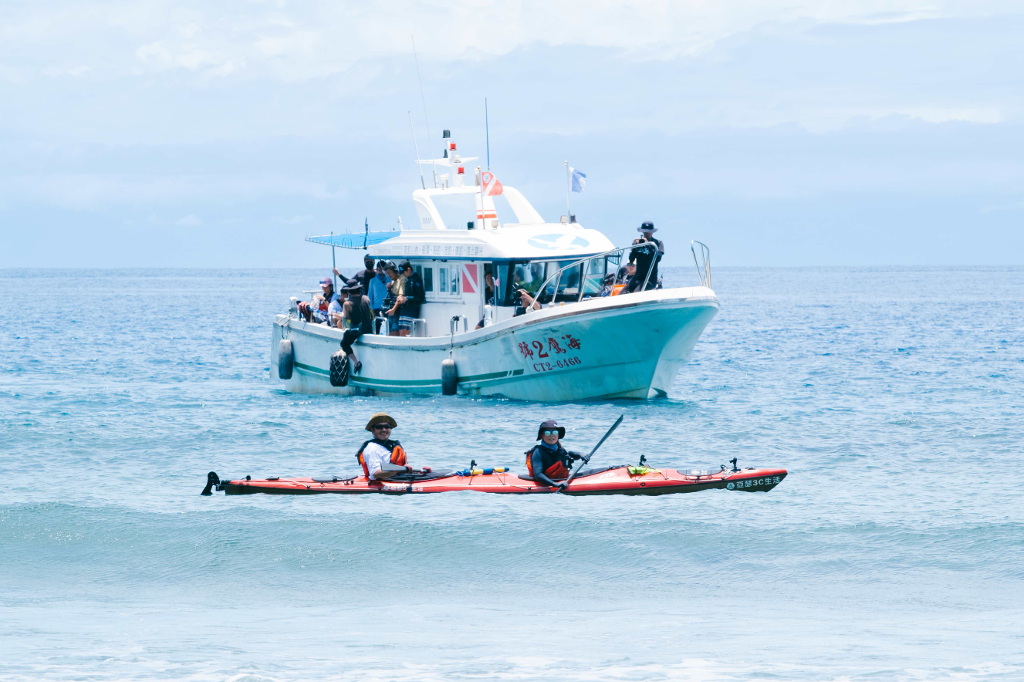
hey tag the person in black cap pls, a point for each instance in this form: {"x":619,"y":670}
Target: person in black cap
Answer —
{"x":646,"y":255}
{"x":364,"y":276}
{"x":548,"y":462}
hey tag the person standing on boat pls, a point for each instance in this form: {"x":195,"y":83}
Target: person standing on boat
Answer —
{"x":411,"y":299}
{"x":548,"y":462}
{"x":378,"y":290}
{"x":397,"y":298}
{"x":380,"y":449}
{"x":365,"y":275}
{"x":358,"y":315}
{"x":647,"y":254}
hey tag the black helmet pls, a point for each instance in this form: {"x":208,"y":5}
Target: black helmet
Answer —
{"x":551,"y":424}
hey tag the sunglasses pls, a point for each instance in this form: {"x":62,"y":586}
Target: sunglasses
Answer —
{"x":380,"y":427}
{"x":549,"y":433}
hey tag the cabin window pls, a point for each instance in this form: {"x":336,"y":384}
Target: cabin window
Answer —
{"x":490,"y":297}
{"x":530,"y":276}
{"x":504,"y":284}
{"x":428,"y":279}
{"x":596,"y":270}
{"x":569,"y":284}
{"x":442,"y":280}
{"x":453,"y":284}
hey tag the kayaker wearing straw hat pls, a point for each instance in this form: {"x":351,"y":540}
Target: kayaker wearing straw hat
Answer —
{"x":381,"y":449}
{"x":548,"y":461}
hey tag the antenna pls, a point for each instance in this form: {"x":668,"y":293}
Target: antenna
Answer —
{"x":424,"y":100}
{"x":568,"y":186}
{"x":487,"y":131}
{"x":417,"y":145}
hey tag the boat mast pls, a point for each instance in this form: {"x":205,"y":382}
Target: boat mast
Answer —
{"x":424,"y":100}
{"x":417,"y":146}
{"x":487,"y":132}
{"x":334,"y":262}
{"x":568,"y":187}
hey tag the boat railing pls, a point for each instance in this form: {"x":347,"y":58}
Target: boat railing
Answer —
{"x":703,"y":262}
{"x":703,"y":275}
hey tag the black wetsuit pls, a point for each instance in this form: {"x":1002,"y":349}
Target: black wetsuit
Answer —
{"x":646,"y":255}
{"x":544,"y":456}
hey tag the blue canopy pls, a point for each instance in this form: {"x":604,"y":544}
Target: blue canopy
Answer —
{"x":359,"y":240}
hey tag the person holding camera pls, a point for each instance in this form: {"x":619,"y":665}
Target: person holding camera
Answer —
{"x":646,"y":255}
{"x":527,"y":303}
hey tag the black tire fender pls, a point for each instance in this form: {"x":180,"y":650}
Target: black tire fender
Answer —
{"x":339,"y":368}
{"x":449,"y":377}
{"x":285,"y":359}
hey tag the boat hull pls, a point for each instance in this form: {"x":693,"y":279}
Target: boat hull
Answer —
{"x":616,"y":347}
{"x":611,"y":481}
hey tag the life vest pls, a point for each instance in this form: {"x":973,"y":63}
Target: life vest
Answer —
{"x":397,"y":453}
{"x":554,"y":462}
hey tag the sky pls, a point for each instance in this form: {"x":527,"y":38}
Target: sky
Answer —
{"x":146,"y":133}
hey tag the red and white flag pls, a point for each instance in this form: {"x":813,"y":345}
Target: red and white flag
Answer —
{"x":470,"y":278}
{"x":492,"y":187}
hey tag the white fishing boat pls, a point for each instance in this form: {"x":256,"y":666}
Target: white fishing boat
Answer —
{"x":578,"y":345}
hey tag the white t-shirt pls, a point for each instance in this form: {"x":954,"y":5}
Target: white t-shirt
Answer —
{"x":374,"y":455}
{"x":335,"y":308}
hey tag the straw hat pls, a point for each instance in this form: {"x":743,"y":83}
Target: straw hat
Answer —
{"x":381,"y":417}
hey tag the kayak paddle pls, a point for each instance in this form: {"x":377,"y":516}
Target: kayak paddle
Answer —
{"x":586,"y":460}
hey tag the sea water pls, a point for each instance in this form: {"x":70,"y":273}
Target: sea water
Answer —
{"x":893,"y":551}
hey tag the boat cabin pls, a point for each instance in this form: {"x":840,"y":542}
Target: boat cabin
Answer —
{"x":473,"y":230}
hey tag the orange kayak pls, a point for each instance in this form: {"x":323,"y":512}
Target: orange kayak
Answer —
{"x":616,"y":480}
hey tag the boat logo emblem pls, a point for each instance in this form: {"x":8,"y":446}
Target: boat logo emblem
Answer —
{"x":558,"y":242}
{"x":730,"y":486}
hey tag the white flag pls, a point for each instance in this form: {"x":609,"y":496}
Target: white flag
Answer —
{"x":579,"y":180}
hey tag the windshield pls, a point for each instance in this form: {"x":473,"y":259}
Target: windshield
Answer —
{"x":532,"y":275}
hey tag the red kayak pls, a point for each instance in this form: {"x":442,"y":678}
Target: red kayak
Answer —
{"x":616,"y":480}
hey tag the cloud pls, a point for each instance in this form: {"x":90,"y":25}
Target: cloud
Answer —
{"x":189,"y":220}
{"x":84,"y":191}
{"x":73,"y":71}
{"x":1013,"y":206}
{"x":294,"y":42}
{"x":296,"y":220}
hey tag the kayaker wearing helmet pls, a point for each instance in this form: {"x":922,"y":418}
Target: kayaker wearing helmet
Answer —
{"x":548,"y":461}
{"x":380,"y":449}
